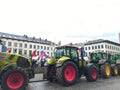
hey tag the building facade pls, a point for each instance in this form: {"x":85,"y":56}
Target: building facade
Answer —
{"x":25,"y":45}
{"x":102,"y":45}
{"x":119,"y":37}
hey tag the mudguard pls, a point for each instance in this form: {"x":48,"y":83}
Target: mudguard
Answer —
{"x":89,"y":65}
{"x":102,"y":61}
{"x":9,"y":66}
{"x":60,"y":62}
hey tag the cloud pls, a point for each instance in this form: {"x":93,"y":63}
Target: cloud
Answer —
{"x":65,"y":20}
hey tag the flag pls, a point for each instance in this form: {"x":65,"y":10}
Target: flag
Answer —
{"x":4,"y":48}
{"x":34,"y":55}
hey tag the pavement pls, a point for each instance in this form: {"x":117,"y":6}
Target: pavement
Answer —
{"x":38,"y":77}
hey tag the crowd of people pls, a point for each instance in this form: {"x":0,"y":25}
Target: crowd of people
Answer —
{"x":39,"y":59}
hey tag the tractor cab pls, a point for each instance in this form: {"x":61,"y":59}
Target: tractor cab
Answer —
{"x":98,"y":57}
{"x":67,"y":51}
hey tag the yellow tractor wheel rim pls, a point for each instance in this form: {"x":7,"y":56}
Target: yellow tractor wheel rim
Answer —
{"x":116,"y":71}
{"x":107,"y":69}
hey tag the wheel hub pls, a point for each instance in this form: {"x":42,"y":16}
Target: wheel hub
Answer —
{"x":15,"y":80}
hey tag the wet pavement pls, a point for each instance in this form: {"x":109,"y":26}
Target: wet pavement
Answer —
{"x":113,"y":83}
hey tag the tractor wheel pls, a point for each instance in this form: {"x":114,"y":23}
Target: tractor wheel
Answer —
{"x":49,"y":73}
{"x":67,"y":74}
{"x":14,"y":79}
{"x":45,"y":71}
{"x":105,"y":70}
{"x":91,"y":73}
{"x":118,"y":69}
{"x":114,"y":70}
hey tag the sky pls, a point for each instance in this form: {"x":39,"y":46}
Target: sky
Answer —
{"x":68,"y":21}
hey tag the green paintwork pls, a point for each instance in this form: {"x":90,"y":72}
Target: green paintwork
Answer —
{"x":84,"y":63}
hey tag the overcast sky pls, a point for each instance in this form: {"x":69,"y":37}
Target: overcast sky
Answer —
{"x":66,"y":20}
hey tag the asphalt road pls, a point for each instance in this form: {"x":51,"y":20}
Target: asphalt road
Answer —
{"x":113,"y":83}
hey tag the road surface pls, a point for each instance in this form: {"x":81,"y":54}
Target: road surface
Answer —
{"x":113,"y":83}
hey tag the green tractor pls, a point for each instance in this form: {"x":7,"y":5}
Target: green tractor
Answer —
{"x":115,"y":64}
{"x":105,"y":63}
{"x":15,"y":71}
{"x":68,"y":65}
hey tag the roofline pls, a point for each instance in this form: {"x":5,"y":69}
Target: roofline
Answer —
{"x":23,"y":38}
{"x":102,"y":41}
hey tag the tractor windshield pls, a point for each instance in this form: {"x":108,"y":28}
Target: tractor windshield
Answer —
{"x":97,"y":56}
{"x":59,"y":53}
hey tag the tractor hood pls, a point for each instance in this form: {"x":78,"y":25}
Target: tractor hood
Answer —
{"x":53,"y":60}
{"x":3,"y":62}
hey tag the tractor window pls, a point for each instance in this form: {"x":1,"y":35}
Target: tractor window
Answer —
{"x":74,"y":54}
{"x":104,"y":55}
{"x":59,"y":53}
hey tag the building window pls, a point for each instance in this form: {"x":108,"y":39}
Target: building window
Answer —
{"x":20,"y":44}
{"x":47,"y":48}
{"x":110,"y":47}
{"x":37,"y":52}
{"x":106,"y":46}
{"x":30,"y":46}
{"x":25,"y":45}
{"x":4,"y":42}
{"x":34,"y":46}
{"x":102,"y":46}
{"x":92,"y":47}
{"x":38,"y":47}
{"x":15,"y":44}
{"x":9,"y":43}
{"x":95,"y":47}
{"x":89,"y":48}
{"x":85,"y":48}
{"x":41,"y":47}
{"x":20,"y":51}
{"x":98,"y":46}
{"x":44,"y":47}
{"x":25,"y":52}
{"x":14,"y":51}
{"x":51,"y":48}
{"x":30,"y":53}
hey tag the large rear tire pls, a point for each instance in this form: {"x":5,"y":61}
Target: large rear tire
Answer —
{"x":14,"y":79}
{"x":67,"y":74}
{"x":91,"y":73}
{"x":105,"y":70}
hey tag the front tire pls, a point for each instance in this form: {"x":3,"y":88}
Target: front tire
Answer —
{"x":105,"y":70}
{"x":91,"y":73}
{"x":14,"y":79}
{"x":67,"y":74}
{"x":114,"y":70}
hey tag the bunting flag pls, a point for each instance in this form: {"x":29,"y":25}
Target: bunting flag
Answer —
{"x":34,"y":55}
{"x":8,"y":50}
{"x":4,"y":48}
